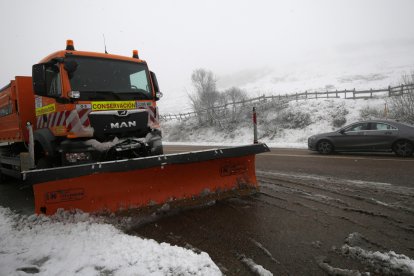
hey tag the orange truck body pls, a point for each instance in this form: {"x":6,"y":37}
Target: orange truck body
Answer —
{"x":16,"y":109}
{"x":83,"y":131}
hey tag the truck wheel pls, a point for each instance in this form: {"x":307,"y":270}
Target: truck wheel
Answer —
{"x":156,"y":148}
{"x":3,"y":178}
{"x":43,"y":163}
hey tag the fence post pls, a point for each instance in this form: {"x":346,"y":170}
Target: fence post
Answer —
{"x":389,"y":90}
{"x":353,"y":94}
{"x":254,"y":126}
{"x":402,"y":89}
{"x":371,"y":93}
{"x":306,"y":94}
{"x":296,"y":96}
{"x":316,"y":95}
{"x":336,"y":94}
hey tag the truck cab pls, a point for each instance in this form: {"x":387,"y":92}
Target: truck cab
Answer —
{"x":93,"y":107}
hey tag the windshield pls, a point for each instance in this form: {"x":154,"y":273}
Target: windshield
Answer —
{"x":98,"y":78}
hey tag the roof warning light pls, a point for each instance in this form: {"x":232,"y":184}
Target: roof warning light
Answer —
{"x":69,"y":45}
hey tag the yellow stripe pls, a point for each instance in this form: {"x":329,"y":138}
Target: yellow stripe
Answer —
{"x":50,"y":108}
{"x":118,"y":105}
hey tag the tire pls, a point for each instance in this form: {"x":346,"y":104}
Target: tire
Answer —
{"x":157,"y":148}
{"x":43,"y":163}
{"x":325,"y":147}
{"x":3,"y":178}
{"x":403,"y":148}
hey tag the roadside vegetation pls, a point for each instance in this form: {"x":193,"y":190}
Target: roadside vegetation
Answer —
{"x":279,"y":122}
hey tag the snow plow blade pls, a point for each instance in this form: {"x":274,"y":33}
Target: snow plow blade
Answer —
{"x":113,"y":186}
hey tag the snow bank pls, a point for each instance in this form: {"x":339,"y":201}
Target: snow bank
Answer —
{"x":322,"y":114}
{"x":68,"y":244}
{"x":389,"y":263}
{"x":255,"y":268}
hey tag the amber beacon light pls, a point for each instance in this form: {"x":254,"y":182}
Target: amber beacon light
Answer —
{"x":69,"y":45}
{"x":135,"y":54}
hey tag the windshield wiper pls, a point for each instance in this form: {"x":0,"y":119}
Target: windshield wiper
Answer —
{"x":95,"y":93}
{"x":140,"y":94}
{"x":118,"y":95}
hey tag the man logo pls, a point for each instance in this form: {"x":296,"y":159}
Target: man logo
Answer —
{"x":124,"y":124}
{"x":122,"y":112}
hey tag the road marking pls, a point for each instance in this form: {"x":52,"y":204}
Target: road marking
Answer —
{"x":318,"y":156}
{"x":336,"y":157}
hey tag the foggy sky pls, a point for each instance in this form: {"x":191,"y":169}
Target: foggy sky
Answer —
{"x":227,"y":37}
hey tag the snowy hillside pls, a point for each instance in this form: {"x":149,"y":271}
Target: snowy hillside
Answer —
{"x":278,"y":128}
{"x":366,"y":70}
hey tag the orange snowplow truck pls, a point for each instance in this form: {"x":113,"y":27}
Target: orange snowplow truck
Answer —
{"x":83,"y":131}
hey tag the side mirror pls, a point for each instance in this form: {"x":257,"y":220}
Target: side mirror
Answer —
{"x":158,"y":94}
{"x":342,"y":131}
{"x":70,"y":66}
{"x":39,"y":79}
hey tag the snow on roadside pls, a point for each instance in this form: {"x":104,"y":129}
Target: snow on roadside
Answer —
{"x":387,"y":263}
{"x":68,"y":244}
{"x":321,"y":111}
{"x":255,"y":268}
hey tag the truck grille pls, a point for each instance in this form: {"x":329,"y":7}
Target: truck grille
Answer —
{"x":119,"y":123}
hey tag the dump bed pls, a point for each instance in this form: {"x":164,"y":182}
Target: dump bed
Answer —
{"x":16,"y":109}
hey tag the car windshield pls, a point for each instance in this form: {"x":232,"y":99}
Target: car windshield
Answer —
{"x":116,"y":77}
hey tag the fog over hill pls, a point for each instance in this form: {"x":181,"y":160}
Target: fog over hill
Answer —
{"x":364,"y":70}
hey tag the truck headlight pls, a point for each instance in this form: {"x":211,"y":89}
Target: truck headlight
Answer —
{"x":74,"y":157}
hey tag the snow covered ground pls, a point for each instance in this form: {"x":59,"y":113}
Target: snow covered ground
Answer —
{"x":79,"y":244}
{"x":372,"y":68}
{"x":321,"y":114}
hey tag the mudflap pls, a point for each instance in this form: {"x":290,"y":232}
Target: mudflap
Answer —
{"x":183,"y":178}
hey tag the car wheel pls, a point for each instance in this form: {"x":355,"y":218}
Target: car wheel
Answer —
{"x":403,"y":148}
{"x":325,"y":147}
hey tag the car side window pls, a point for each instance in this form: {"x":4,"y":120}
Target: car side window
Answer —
{"x":382,"y":126}
{"x":358,"y":127}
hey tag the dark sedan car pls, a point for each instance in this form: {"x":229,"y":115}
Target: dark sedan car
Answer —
{"x":375,"y":135}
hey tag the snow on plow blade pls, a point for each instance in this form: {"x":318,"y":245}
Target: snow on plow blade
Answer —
{"x":136,"y":183}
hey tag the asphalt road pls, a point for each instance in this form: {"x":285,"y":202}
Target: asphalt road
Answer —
{"x":374,"y":167}
{"x":314,"y":215}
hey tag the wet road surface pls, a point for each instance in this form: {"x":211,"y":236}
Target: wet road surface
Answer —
{"x":314,"y":215}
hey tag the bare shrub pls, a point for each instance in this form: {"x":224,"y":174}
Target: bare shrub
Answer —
{"x":231,"y":97}
{"x":294,"y":119}
{"x":402,"y":106}
{"x":339,"y":116}
{"x":205,"y":96}
{"x":369,"y":113}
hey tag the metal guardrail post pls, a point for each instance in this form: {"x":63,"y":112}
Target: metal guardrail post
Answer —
{"x":254,"y":126}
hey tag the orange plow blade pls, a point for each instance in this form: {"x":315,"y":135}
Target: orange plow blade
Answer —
{"x":121,"y":185}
